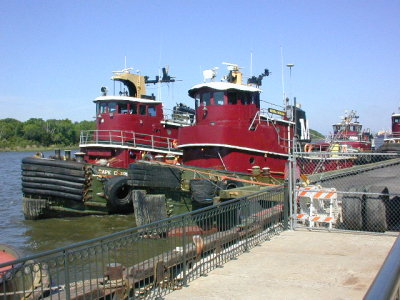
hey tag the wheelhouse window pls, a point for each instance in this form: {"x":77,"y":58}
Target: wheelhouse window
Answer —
{"x":339,"y":128}
{"x":142,"y":110}
{"x":205,"y":99}
{"x":219,"y":98}
{"x":122,"y":108}
{"x":255,"y":99}
{"x":232,"y":98}
{"x":112,"y":107}
{"x":396,"y":120}
{"x":246,"y":98}
{"x":355,"y":128}
{"x":197,"y":100}
{"x":151,"y":110}
{"x":133,"y":109}
{"x":102,"y":108}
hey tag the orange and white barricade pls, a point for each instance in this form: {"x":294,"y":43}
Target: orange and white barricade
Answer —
{"x":317,"y":205}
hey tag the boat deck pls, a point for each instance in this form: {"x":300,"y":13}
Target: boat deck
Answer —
{"x":297,"y":265}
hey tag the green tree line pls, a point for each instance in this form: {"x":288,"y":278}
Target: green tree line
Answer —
{"x":36,"y":133}
{"x":315,"y":135}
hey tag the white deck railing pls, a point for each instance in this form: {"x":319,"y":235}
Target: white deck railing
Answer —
{"x":127,"y":139}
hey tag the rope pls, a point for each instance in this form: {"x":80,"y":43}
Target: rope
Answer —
{"x":223,"y":177}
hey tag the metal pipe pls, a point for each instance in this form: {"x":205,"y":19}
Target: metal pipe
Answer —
{"x":386,"y":284}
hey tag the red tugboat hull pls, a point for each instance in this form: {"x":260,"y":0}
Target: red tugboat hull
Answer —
{"x":232,"y":132}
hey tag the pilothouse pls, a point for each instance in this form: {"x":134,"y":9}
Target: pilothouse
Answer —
{"x":232,"y":132}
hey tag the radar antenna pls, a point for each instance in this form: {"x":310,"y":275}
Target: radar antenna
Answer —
{"x":257,"y":80}
{"x":210,"y":74}
{"x":125,"y":70}
{"x":232,"y":67}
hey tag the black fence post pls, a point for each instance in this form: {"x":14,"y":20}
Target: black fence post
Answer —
{"x":286,"y":205}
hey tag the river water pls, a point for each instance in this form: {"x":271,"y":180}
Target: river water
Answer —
{"x":35,"y":236}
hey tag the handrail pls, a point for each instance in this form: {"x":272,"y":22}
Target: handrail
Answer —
{"x":151,"y":259}
{"x":386,"y":284}
{"x":126,"y":138}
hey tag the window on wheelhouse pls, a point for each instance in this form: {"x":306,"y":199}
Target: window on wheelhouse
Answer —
{"x":133,"y":109}
{"x":205,"y":99}
{"x":245,"y":98}
{"x":151,"y":111}
{"x":232,"y":97}
{"x":197,"y":101}
{"x":219,"y":98}
{"x":102,"y":107}
{"x":355,"y":128}
{"x":122,"y":108}
{"x":112,"y":107}
{"x":142,"y":110}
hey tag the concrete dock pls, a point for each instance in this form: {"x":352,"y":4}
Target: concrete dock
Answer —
{"x":297,"y":265}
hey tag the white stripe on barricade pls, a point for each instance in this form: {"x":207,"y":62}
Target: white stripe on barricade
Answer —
{"x":317,"y":205}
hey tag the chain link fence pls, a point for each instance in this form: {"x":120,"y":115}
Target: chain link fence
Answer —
{"x":346,"y":191}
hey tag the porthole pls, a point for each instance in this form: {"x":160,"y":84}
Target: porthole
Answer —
{"x":252,"y":160}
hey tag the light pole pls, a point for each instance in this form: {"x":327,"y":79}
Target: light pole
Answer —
{"x":290,"y":66}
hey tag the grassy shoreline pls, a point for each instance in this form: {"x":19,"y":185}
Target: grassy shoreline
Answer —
{"x":37,"y":148}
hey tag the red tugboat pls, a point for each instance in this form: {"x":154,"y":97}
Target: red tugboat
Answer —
{"x":129,"y":126}
{"x":348,"y":137}
{"x":391,"y":143}
{"x":132,"y":125}
{"x":231,"y":131}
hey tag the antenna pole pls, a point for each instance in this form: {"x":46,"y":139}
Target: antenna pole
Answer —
{"x":125,"y":61}
{"x":251,"y":64}
{"x":283,"y":81}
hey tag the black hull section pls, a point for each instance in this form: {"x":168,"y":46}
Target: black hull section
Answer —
{"x":389,"y":148}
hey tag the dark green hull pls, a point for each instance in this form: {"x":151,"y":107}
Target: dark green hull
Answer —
{"x":57,"y":188}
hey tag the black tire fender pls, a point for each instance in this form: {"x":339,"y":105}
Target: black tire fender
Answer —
{"x":352,"y":209}
{"x":44,"y":175}
{"x":118,"y":193}
{"x":58,"y":182}
{"x":54,"y":163}
{"x":50,"y":193}
{"x":375,"y":209}
{"x":52,"y":169}
{"x":148,"y":157}
{"x":232,"y":184}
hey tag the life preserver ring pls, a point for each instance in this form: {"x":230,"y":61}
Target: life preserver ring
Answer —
{"x":174,"y":143}
{"x":308,"y":147}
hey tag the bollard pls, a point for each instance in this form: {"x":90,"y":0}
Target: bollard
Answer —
{"x":79,"y":156}
{"x":57,"y":153}
{"x":255,"y":170}
{"x":266,"y":171}
{"x":67,"y":154}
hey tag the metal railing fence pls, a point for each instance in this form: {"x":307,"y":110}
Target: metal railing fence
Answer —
{"x":386,"y":285}
{"x":151,"y":260}
{"x":127,"y":139}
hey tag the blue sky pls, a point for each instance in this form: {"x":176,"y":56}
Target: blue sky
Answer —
{"x":55,"y":55}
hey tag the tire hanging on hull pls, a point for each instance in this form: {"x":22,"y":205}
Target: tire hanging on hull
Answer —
{"x":118,"y":194}
{"x":48,"y":179}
